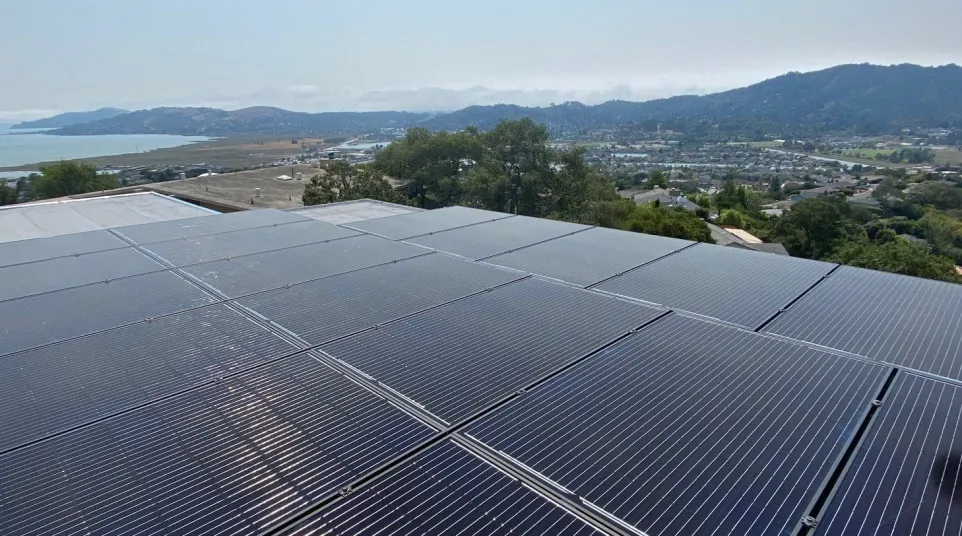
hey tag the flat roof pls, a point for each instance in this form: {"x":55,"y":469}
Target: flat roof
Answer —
{"x":67,"y":216}
{"x":237,"y":190}
{"x":353,"y":211}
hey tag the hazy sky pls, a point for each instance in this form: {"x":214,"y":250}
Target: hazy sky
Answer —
{"x":319,"y":55}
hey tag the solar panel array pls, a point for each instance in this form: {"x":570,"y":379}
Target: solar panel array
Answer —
{"x":459,"y":371}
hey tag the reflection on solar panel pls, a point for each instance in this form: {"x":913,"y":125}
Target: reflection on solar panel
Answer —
{"x":445,"y":491}
{"x":461,"y":357}
{"x":39,"y":249}
{"x":737,"y":286}
{"x":907,"y":321}
{"x":228,"y":458}
{"x":205,"y":225}
{"x":274,"y":269}
{"x":590,"y":256}
{"x":487,"y":239}
{"x":323,"y":310}
{"x":55,"y":316}
{"x":430,"y":221}
{"x":57,"y":387}
{"x":65,"y":272}
{"x":905,"y":478}
{"x":245,"y":242}
{"x":692,"y":428}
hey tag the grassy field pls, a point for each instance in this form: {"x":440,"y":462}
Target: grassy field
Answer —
{"x":952,"y":156}
{"x":227,"y":152}
{"x":768,"y":144}
{"x":868,"y":154}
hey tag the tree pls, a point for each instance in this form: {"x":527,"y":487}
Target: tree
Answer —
{"x":70,"y":178}
{"x":815,"y":227}
{"x":520,"y":150}
{"x":657,"y":179}
{"x":732,"y":217}
{"x":897,"y":256}
{"x":775,"y":187}
{"x":344,"y":182}
{"x":8,"y":196}
{"x":675,"y":222}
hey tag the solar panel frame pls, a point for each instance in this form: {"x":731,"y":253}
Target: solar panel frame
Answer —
{"x":676,"y":428}
{"x":421,"y":223}
{"x":56,"y":316}
{"x":905,"y":476}
{"x":23,"y":280}
{"x":231,"y":457}
{"x":733,"y":285}
{"x":590,"y":256}
{"x":323,"y":310}
{"x":264,"y":271}
{"x":495,"y":237}
{"x":906,"y":321}
{"x":444,"y":490}
{"x":457,"y":359}
{"x":39,"y":249}
{"x":147,"y":233}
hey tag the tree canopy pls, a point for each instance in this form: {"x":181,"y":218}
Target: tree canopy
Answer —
{"x":70,"y":178}
{"x":344,"y":182}
{"x":898,"y":256}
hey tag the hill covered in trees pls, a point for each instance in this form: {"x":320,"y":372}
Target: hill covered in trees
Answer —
{"x":72,"y":118}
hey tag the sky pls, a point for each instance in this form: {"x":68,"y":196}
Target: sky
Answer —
{"x":320,"y":55}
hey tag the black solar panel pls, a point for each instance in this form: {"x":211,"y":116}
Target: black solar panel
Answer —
{"x":323,"y":310}
{"x":55,"y":316}
{"x":274,"y":269}
{"x":53,"y":388}
{"x":464,"y":356}
{"x":245,"y":242}
{"x":688,"y":427}
{"x":229,"y":458}
{"x":905,"y":478}
{"x":65,"y":272}
{"x":38,"y":249}
{"x":588,"y":257}
{"x":429,"y":221}
{"x":490,"y":238}
{"x":445,"y":491}
{"x":907,"y":321}
{"x":204,"y":225}
{"x":734,"y":285}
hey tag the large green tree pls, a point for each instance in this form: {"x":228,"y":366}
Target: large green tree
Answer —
{"x":8,"y":196}
{"x":70,"y":178}
{"x":897,"y":256}
{"x":344,"y":182}
{"x":815,"y":227}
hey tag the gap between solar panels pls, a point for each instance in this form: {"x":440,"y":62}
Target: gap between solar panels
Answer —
{"x":830,"y":485}
{"x":555,"y":493}
{"x":605,"y":280}
{"x":795,"y":300}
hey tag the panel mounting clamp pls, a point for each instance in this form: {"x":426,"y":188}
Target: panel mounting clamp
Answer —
{"x":809,"y":522}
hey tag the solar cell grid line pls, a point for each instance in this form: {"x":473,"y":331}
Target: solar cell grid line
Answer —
{"x":147,"y":233}
{"x":264,"y":271}
{"x":691,"y":427}
{"x":65,"y":385}
{"x":229,"y":458}
{"x":40,"y":249}
{"x":905,"y":477}
{"x":429,"y":221}
{"x":444,"y":490}
{"x":53,"y":317}
{"x":65,"y":272}
{"x":184,"y":251}
{"x":459,"y":358}
{"x":590,"y":256}
{"x":491,"y":238}
{"x":330,"y":308}
{"x":909,"y":322}
{"x":737,"y":286}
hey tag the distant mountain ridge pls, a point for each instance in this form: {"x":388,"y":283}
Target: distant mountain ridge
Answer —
{"x":72,"y":118}
{"x":863,"y":98}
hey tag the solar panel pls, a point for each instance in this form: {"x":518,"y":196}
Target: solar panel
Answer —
{"x":204,"y":225}
{"x":688,"y":427}
{"x":905,"y":478}
{"x":263,"y":271}
{"x":591,"y":256}
{"x":429,"y":221}
{"x":464,"y":356}
{"x":902,"y":320}
{"x":245,"y":242}
{"x":228,"y":458}
{"x":734,"y":285}
{"x":55,"y":316}
{"x":38,"y":249}
{"x":445,"y":491}
{"x":337,"y":306}
{"x":66,"y":272}
{"x":58,"y":387}
{"x":490,"y":238}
